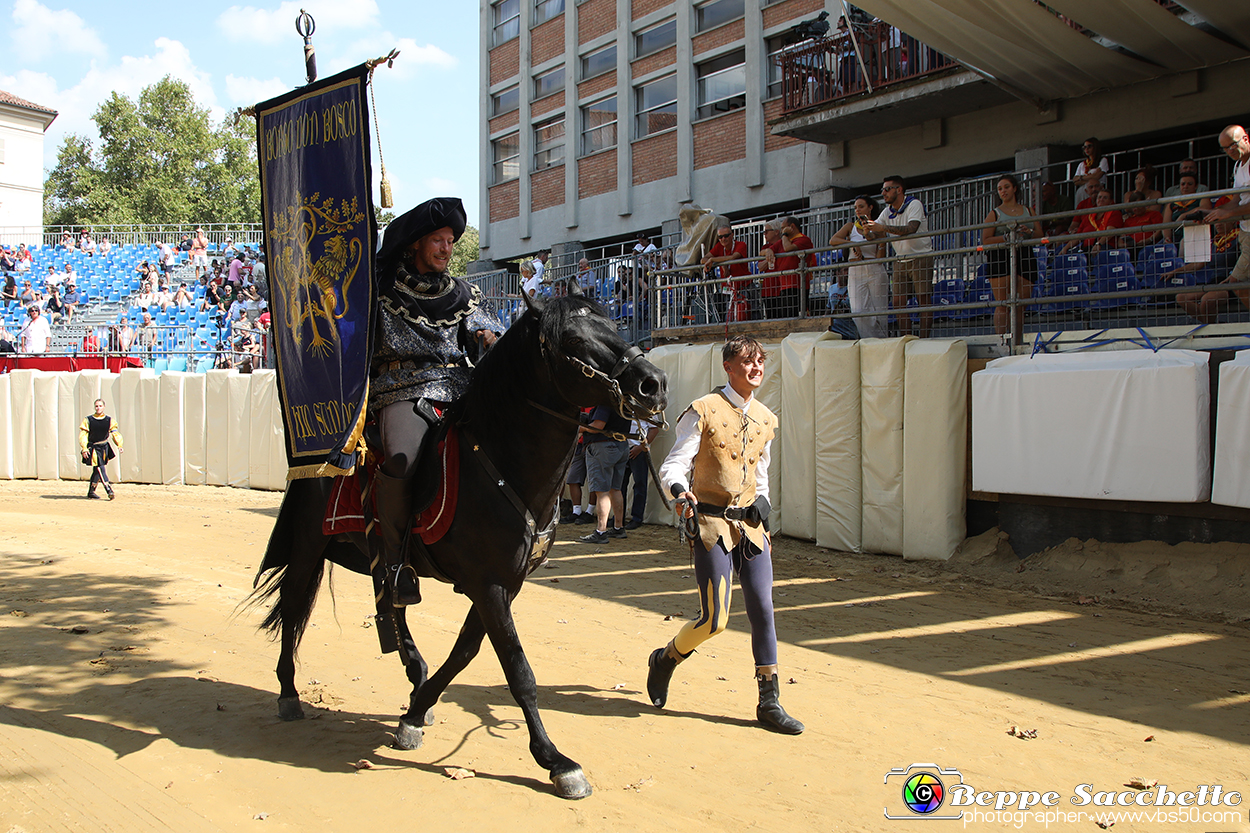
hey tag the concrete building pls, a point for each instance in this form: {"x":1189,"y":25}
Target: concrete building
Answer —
{"x":602,"y":117}
{"x":22,"y":128}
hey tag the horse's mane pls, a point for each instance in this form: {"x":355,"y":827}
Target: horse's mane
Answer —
{"x":500,"y":377}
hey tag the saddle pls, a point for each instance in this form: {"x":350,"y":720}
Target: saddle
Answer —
{"x":434,"y":503}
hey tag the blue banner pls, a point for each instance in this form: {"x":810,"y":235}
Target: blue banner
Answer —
{"x":320,"y":240}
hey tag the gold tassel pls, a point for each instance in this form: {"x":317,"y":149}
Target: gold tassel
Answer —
{"x":387,"y":201}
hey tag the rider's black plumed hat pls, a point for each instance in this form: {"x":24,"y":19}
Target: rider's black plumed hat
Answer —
{"x":429,"y":216}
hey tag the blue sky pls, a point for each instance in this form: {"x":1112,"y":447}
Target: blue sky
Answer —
{"x":70,"y":55}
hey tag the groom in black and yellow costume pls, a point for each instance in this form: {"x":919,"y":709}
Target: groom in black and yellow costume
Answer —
{"x":93,"y":438}
{"x":430,"y":328}
{"x":719,"y":466}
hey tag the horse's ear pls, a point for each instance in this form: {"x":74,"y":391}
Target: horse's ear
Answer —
{"x":575,"y":288}
{"x":534,"y":303}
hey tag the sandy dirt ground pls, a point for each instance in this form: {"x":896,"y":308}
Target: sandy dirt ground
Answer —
{"x":135,"y":694}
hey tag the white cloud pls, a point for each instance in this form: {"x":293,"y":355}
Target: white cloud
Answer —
{"x":128,"y":77}
{"x":248,"y":23}
{"x":249,"y":91}
{"x":412,"y":57}
{"x":40,"y":32}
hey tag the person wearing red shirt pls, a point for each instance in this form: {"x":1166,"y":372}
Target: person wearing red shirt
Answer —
{"x":1096,"y":221}
{"x":780,"y":288}
{"x":1142,"y":215}
{"x":725,"y":250}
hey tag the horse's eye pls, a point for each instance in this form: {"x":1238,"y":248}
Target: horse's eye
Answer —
{"x":573,"y":342}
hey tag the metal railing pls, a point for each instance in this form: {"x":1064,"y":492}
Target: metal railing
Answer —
{"x":241,"y":234}
{"x":864,"y":59}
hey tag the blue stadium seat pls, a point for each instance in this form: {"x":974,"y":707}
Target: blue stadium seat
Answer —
{"x":1159,"y":251}
{"x":1072,"y":260}
{"x":1118,"y":277}
{"x":949,"y":291}
{"x":160,"y":366}
{"x":1109,"y":257}
{"x":1071,"y":283}
{"x":178,"y":364}
{"x":979,"y":292}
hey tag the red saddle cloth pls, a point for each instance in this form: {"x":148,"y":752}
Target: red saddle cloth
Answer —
{"x":344,"y":512}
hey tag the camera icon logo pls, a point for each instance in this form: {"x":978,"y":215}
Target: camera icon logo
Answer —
{"x":923,"y":790}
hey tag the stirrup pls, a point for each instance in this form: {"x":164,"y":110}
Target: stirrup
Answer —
{"x":411,"y":594}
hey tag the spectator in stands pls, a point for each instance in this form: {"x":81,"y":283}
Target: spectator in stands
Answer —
{"x":868,"y":285}
{"x":540,"y":266}
{"x":1010,"y":215}
{"x":71,"y":299}
{"x":88,"y":246}
{"x":8,"y":342}
{"x":1091,"y":172}
{"x":585,"y":278}
{"x":913,"y":275}
{"x":644,"y":252}
{"x":1138,"y":216}
{"x":67,"y":241}
{"x":1144,"y":181}
{"x":1190,"y":167}
{"x":34,"y":337}
{"x":166,"y":257}
{"x":105,"y":246}
{"x":212,"y":296}
{"x":164,"y":298}
{"x":260,"y":277}
{"x":1190,"y":205}
{"x":148,"y":334}
{"x":1054,"y":202}
{"x":1102,"y":218}
{"x":121,"y":338}
{"x":228,"y":248}
{"x":735,"y":272}
{"x":1236,"y":143}
{"x":68,"y":276}
{"x":9,"y":293}
{"x":8,"y":262}
{"x":91,"y":342}
{"x":24,"y":258}
{"x":54,"y":306}
{"x":146,"y":299}
{"x":250,"y":299}
{"x":199,"y":252}
{"x":529,"y":281}
{"x":185,"y":244}
{"x":235,"y":275}
{"x":1206,"y":305}
{"x":782,"y":296}
{"x":183,"y":298}
{"x":28,"y":294}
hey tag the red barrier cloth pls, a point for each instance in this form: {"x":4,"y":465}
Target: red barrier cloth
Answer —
{"x":93,"y":361}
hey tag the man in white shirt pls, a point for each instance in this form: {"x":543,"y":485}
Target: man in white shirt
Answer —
{"x":35,"y":336}
{"x":913,"y":275}
{"x":1236,"y":143}
{"x":719,"y":467}
{"x":586,"y":278}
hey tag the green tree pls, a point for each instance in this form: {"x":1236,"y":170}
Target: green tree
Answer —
{"x":160,"y":160}
{"x":464,"y":253}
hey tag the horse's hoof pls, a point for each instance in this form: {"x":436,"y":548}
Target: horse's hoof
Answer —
{"x":289,"y":708}
{"x":572,"y":784}
{"x":408,"y":736}
{"x":429,"y":717}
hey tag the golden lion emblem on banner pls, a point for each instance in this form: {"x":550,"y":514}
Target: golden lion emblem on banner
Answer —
{"x":314,"y":288}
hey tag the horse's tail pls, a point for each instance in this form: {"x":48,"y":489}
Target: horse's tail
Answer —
{"x":294,"y":613}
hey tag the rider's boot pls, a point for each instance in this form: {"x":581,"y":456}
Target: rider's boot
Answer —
{"x":393,"y":498}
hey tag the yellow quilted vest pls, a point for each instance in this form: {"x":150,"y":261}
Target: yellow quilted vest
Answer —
{"x":730,"y":446}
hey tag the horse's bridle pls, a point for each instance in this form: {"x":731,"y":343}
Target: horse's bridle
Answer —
{"x":610,"y":380}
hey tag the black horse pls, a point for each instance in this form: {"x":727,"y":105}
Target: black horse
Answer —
{"x":521,"y":412}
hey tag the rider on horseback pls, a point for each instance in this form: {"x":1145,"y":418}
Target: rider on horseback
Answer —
{"x":430,"y":328}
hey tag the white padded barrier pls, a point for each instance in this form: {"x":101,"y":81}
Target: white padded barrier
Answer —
{"x":6,"y":430}
{"x":172,"y":386}
{"x":148,"y":409}
{"x":1231,"y":481}
{"x":689,"y":376}
{"x":123,"y":407}
{"x":836,"y":402}
{"x":935,"y":430}
{"x":22,"y":398}
{"x":772,"y":396}
{"x":194,"y":430}
{"x":68,"y":418}
{"x":109,"y":391}
{"x":46,"y":392}
{"x":266,"y":452}
{"x":1118,"y":425}
{"x":217,"y":419}
{"x":86,"y":392}
{"x":882,"y":365}
{"x":792,"y":475}
{"x":238,"y":420}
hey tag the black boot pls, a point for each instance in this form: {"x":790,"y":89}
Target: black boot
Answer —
{"x":769,"y":711}
{"x":660,"y":665}
{"x":393,"y":498}
{"x":91,"y":488}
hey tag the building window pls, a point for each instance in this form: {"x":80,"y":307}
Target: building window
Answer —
{"x":506,"y":153}
{"x":597,"y":63}
{"x":505,"y":102}
{"x":549,"y":143}
{"x":722,"y":84}
{"x":548,"y":83}
{"x":599,"y":126}
{"x":657,"y":106}
{"x":544,"y":10}
{"x":773,"y":48}
{"x":716,"y":13}
{"x":656,"y":38}
{"x":507,"y":20}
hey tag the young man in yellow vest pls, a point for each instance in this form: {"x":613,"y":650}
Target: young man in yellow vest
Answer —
{"x":719,"y":466}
